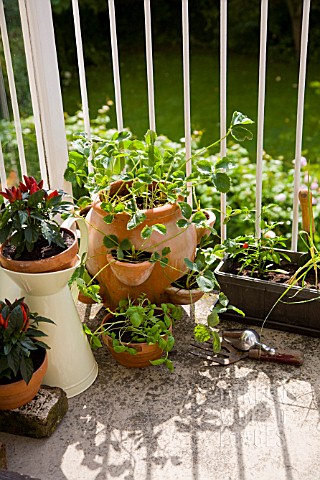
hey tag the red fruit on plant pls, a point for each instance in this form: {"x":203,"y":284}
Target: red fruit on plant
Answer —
{"x":3,"y":322}
{"x":245,"y":245}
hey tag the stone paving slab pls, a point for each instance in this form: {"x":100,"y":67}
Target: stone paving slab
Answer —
{"x":251,"y":420}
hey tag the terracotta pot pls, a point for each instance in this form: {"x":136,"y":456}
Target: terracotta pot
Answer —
{"x":86,"y":300}
{"x":201,"y":231}
{"x":62,"y":261}
{"x":144,"y":354}
{"x":180,"y":296}
{"x":16,"y":394}
{"x":181,"y":242}
{"x":130,"y":273}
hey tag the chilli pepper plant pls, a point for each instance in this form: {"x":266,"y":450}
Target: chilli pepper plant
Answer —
{"x":28,"y":216}
{"x":19,"y":339}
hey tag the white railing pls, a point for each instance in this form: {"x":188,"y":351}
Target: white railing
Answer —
{"x":41,"y":56}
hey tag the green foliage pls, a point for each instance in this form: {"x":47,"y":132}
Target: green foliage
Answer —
{"x":142,"y":322}
{"x":200,"y":274}
{"x":152,"y":174}
{"x":85,"y":284}
{"x":19,"y":336}
{"x":209,"y":332}
{"x":259,"y":255}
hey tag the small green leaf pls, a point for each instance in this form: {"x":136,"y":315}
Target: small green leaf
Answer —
{"x":241,"y":133}
{"x":182,"y":223}
{"x":186,"y":209}
{"x":223,"y":299}
{"x":213,"y":319}
{"x":201,"y":333}
{"x":132,"y":351}
{"x":136,"y":219}
{"x":119,"y":348}
{"x":205,"y":284}
{"x":158,"y":227}
{"x":169,"y":365}
{"x":110,"y":241}
{"x":222,"y":182}
{"x":204,"y":167}
{"x":159,"y":361}
{"x":146,"y":232}
{"x":239,"y":118}
{"x":216,"y":342}
{"x":136,"y":319}
{"x":125,"y":244}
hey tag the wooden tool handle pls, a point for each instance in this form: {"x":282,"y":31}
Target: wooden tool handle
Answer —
{"x":305,"y":197}
{"x":291,"y":357}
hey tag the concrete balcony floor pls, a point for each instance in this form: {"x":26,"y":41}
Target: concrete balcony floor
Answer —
{"x":251,"y":420}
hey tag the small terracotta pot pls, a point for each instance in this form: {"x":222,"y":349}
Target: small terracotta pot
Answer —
{"x":201,"y":231}
{"x":144,"y":354}
{"x":17,"y":394}
{"x":130,"y":273}
{"x":62,"y":261}
{"x":86,"y":300}
{"x":181,"y":296}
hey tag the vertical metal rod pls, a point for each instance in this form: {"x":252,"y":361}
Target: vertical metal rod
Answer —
{"x":150,"y":80}
{"x":186,"y":92}
{"x":115,"y":63}
{"x":82,"y":73}
{"x":223,"y":104}
{"x":3,"y":177}
{"x":261,"y":104}
{"x":12,"y":88}
{"x":299,"y":126}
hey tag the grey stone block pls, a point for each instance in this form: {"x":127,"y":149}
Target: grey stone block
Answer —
{"x":40,"y":417}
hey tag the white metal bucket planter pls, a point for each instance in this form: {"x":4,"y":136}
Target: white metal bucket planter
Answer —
{"x":8,"y":289}
{"x":72,"y":366}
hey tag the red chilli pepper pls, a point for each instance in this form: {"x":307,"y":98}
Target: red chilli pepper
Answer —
{"x":52,"y":194}
{"x":25,"y":314}
{"x":245,"y":245}
{"x":3,"y":322}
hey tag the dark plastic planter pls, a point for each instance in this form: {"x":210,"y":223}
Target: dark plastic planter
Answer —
{"x":257,"y":297}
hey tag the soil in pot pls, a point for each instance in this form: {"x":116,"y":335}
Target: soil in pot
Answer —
{"x":288,"y":270}
{"x":139,"y":257}
{"x":41,"y":250}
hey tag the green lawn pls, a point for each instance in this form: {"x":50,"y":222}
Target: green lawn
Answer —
{"x":281,"y":97}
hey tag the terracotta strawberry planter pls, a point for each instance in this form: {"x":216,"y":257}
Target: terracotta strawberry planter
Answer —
{"x":17,"y":394}
{"x":182,"y":243}
{"x":62,"y":261}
